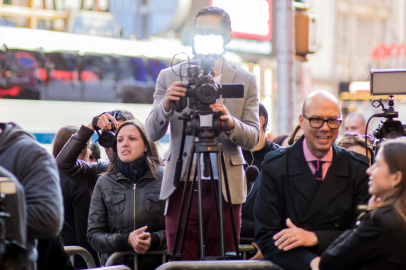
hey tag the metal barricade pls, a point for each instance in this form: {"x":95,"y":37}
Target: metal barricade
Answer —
{"x":115,"y":267}
{"x":76,"y":250}
{"x":117,"y":255}
{"x":245,"y":249}
{"x":219,"y":265}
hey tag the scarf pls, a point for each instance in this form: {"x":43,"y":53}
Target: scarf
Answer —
{"x":133,"y":170}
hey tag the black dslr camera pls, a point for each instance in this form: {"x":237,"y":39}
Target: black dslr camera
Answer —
{"x":106,"y":138}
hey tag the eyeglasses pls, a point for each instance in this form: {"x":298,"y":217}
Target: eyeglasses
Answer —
{"x":351,"y":135}
{"x":333,"y":123}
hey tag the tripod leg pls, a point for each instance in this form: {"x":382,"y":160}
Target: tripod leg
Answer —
{"x":182,"y":204}
{"x":214,"y":191}
{"x":220,"y":216}
{"x":189,"y":207}
{"x":230,"y":206}
{"x":199,"y":170}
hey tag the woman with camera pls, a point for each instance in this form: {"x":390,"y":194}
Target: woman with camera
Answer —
{"x":378,"y":241}
{"x":125,"y":211}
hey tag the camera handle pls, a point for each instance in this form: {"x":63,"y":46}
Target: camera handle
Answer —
{"x":388,"y":113}
{"x":179,"y":162}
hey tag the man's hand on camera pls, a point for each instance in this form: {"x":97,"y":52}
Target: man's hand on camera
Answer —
{"x":104,"y":122}
{"x":173,"y":93}
{"x":225,"y":116}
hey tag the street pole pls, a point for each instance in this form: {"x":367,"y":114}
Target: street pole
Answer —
{"x":285,"y":58}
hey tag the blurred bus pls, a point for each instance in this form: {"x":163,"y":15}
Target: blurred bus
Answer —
{"x":51,"y":79}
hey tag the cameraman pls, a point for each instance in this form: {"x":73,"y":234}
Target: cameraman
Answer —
{"x":36,"y":170}
{"x":67,"y":159}
{"x":241,"y":116}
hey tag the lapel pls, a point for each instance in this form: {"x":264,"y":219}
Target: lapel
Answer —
{"x":228,"y":73}
{"x":299,"y":172}
{"x":337,"y":178}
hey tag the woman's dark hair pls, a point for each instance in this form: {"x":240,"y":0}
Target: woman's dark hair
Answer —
{"x":151,"y":155}
{"x":394,"y":152}
{"x":279,"y":139}
{"x":292,"y":135}
{"x":225,"y":18}
{"x":62,"y":137}
{"x":264,"y":114}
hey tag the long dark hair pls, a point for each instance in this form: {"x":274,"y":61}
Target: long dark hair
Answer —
{"x":62,"y":137}
{"x":394,"y":154}
{"x":292,"y":135}
{"x":151,"y":155}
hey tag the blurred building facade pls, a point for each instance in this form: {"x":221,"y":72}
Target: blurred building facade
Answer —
{"x":354,"y":37}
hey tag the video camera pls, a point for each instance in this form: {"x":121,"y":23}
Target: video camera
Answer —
{"x":201,"y":88}
{"x":388,"y":82}
{"x":106,"y":138}
{"x":13,"y":223}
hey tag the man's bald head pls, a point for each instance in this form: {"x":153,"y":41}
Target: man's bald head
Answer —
{"x":355,"y":122}
{"x":320,"y":121}
{"x":319,"y":97}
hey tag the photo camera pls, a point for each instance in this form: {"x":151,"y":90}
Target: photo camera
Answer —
{"x":388,"y":82}
{"x":201,"y":88}
{"x":106,"y":138}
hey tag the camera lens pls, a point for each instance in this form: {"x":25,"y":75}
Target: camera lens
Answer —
{"x":106,"y":139}
{"x":207,"y":93}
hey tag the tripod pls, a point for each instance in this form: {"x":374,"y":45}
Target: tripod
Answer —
{"x":203,"y":145}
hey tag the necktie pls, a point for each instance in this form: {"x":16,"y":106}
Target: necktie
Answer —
{"x":318,"y":165}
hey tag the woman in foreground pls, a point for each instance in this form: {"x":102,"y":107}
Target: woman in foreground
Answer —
{"x":378,"y":242}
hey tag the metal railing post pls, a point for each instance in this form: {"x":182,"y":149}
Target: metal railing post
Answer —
{"x":76,"y":250}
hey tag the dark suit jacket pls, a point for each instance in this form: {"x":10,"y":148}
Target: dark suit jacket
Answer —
{"x":288,"y":190}
{"x":247,"y":215}
{"x":379,"y":242}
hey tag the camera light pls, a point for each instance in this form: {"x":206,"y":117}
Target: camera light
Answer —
{"x":208,"y":45}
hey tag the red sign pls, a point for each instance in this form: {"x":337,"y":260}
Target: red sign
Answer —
{"x":383,"y":51}
{"x":250,"y":19}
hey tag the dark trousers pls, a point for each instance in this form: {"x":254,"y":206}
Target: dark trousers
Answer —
{"x":211,"y":230}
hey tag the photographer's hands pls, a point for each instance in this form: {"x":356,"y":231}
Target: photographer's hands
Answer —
{"x":140,"y":240}
{"x":225,"y":116}
{"x":104,"y":122}
{"x":173,"y":93}
{"x":177,"y":90}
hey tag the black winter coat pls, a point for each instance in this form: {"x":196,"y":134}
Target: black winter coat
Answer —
{"x":288,"y":190}
{"x":76,"y":201}
{"x":68,"y":162}
{"x":36,"y":171}
{"x":248,"y":222}
{"x":113,"y":217}
{"x":377,"y":243}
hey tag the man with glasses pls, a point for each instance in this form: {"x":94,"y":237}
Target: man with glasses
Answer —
{"x":310,"y":191}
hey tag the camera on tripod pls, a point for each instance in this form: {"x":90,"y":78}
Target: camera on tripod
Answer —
{"x":202,"y":90}
{"x":204,"y":125}
{"x":388,"y":82}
